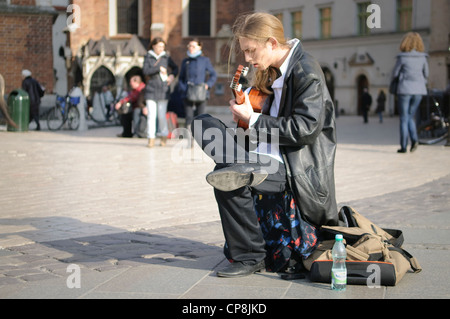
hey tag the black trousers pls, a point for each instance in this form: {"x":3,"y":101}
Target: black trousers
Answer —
{"x":126,"y":120}
{"x":34,"y":114}
{"x":189,"y":110}
{"x":239,"y":222}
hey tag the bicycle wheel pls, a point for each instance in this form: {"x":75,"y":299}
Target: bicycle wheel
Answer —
{"x":55,"y":119}
{"x":431,"y":134}
{"x":73,"y":118}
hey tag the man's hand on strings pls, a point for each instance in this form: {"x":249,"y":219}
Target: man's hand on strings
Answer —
{"x":243,"y":111}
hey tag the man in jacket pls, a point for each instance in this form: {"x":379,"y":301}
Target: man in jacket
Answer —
{"x":35,"y":92}
{"x":135,"y":99}
{"x":299,"y":128}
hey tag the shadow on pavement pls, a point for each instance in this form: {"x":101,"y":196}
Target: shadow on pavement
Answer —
{"x":113,"y":248}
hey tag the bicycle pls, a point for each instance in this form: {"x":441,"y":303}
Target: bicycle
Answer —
{"x":64,"y":111}
{"x":435,"y":129}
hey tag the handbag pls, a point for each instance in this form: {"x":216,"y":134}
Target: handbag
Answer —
{"x":124,"y":109}
{"x":196,"y":92}
{"x":394,"y":85}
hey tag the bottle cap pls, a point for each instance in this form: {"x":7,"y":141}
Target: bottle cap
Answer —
{"x":339,"y":237}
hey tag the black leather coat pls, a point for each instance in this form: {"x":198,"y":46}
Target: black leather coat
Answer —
{"x":307,"y":138}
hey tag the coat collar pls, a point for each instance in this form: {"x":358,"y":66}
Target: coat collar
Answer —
{"x":296,"y":56}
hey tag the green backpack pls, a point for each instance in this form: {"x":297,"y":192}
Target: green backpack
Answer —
{"x":374,"y":255}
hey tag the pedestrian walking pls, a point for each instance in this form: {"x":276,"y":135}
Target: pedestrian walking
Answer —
{"x":411,"y":70}
{"x":381,"y":104}
{"x":366,"y":102}
{"x":35,"y":92}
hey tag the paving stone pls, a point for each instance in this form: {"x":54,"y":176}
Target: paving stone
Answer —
{"x":151,"y":229}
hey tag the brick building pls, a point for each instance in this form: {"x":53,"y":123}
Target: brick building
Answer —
{"x":38,"y":35}
{"x":26,"y":42}
{"x":115,"y":23}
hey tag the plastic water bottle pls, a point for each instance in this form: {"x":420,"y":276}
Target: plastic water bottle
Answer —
{"x":339,"y":270}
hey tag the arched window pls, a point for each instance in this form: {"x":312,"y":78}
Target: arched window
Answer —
{"x":102,"y":76}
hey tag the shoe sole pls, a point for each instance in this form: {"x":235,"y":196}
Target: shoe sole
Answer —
{"x":229,"y":180}
{"x":219,"y":274}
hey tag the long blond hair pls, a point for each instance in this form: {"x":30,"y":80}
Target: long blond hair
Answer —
{"x":259,"y":26}
{"x":412,"y":41}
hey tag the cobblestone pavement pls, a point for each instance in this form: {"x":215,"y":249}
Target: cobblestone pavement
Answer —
{"x":143,"y":223}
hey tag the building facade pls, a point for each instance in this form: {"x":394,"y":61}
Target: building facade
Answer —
{"x":106,"y":26}
{"x":66,"y":42}
{"x":356,"y":47}
{"x":26,"y":33}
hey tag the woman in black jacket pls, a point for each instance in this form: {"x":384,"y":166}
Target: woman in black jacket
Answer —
{"x":160,"y":71}
{"x":297,"y":142}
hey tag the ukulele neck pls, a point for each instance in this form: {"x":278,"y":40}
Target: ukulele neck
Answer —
{"x":236,"y":87}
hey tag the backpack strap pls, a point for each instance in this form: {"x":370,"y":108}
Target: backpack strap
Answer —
{"x":352,"y":218}
{"x":415,"y":266}
{"x":397,"y":236}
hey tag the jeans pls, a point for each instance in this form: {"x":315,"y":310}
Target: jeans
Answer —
{"x":408,"y":105}
{"x":136,"y":119}
{"x":157,"y":111}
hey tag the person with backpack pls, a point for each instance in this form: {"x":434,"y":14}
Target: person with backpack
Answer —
{"x":35,"y":92}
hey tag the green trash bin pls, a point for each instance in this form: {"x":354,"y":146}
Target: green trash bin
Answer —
{"x":19,"y":109}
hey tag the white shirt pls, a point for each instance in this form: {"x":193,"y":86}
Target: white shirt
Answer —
{"x":273,"y":149}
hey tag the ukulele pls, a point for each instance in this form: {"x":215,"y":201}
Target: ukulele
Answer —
{"x":257,"y":98}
